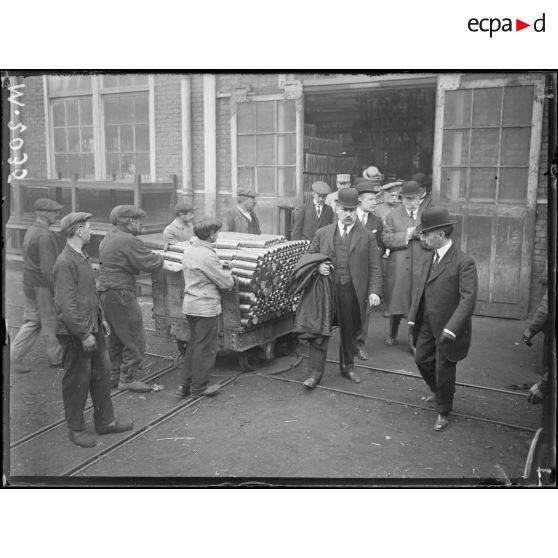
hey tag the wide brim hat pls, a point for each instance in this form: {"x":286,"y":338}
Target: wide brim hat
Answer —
{"x":321,"y":188}
{"x":348,"y":198}
{"x":364,"y":186}
{"x":410,"y":189}
{"x":69,"y":221}
{"x":434,"y":218}
{"x":46,"y":204}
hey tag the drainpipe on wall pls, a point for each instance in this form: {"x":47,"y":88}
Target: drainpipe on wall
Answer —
{"x":187,"y":190}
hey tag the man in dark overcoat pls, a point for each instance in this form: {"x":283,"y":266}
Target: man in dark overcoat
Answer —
{"x":313,"y":215}
{"x":242,"y":218}
{"x":358,"y":281}
{"x":440,"y":318}
{"x":405,"y":256}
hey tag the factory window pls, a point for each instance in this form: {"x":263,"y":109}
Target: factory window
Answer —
{"x":101,"y":126}
{"x":266,"y":147}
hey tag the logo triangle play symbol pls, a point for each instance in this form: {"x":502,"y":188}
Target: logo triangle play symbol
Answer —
{"x":519,"y":25}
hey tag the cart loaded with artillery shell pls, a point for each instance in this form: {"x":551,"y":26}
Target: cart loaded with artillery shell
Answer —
{"x":258,"y":315}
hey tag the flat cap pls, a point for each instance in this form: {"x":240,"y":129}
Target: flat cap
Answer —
{"x":183,"y":207}
{"x":128,"y":211}
{"x":391,"y":186}
{"x":68,"y":222}
{"x":321,"y":188}
{"x":246,"y":192}
{"x":46,"y":204}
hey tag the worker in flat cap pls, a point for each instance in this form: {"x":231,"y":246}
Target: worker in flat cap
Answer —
{"x":182,"y":228}
{"x":355,"y":262}
{"x":314,"y":214}
{"x":40,"y":250}
{"x":123,"y":255}
{"x":367,"y":192}
{"x":405,"y":257}
{"x":81,"y":330}
{"x":440,"y":317}
{"x":342,"y":181}
{"x":243,"y":218}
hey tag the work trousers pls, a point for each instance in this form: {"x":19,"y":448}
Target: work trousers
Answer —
{"x":363,"y":332}
{"x":201,"y":353}
{"x":126,"y":342}
{"x":349,"y":324}
{"x":39,"y":315}
{"x":437,"y":371}
{"x":85,"y":373}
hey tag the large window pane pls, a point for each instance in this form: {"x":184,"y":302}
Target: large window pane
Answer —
{"x":125,"y":80}
{"x":246,"y":151}
{"x":457,"y":109}
{"x":61,"y":166}
{"x":516,"y":143}
{"x":142,"y":109}
{"x":63,"y":84}
{"x":113,"y":163}
{"x":483,"y":183}
{"x":265,"y":177}
{"x":487,"y":104}
{"x":88,"y":166}
{"x":453,"y":186}
{"x":518,"y":106}
{"x":286,"y":149}
{"x":245,"y":118}
{"x":60,"y":140}
{"x":87,"y":139}
{"x":111,"y":138}
{"x":140,"y":79}
{"x":109,"y":81}
{"x":484,"y":147}
{"x":246,"y":178}
{"x":125,"y":109}
{"x":72,"y":114}
{"x":513,"y":184}
{"x":142,"y":137}
{"x":58,"y":113}
{"x":455,"y":150}
{"x":142,"y":163}
{"x":286,"y":181}
{"x":73,"y":140}
{"x":127,"y":138}
{"x":111,"y":110}
{"x":286,"y":116}
{"x":265,"y":116}
{"x":75,"y":164}
{"x":85,"y":113}
{"x":265,"y":146}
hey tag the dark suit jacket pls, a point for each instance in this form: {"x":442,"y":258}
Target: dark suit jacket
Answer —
{"x":364,"y":260}
{"x":449,"y":296}
{"x":306,"y":221}
{"x":375,"y":224}
{"x":234,"y":221}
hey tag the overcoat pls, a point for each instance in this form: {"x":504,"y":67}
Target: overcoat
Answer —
{"x":306,"y":221}
{"x":234,"y":221}
{"x":364,"y":260}
{"x":449,"y":294}
{"x":404,"y":261}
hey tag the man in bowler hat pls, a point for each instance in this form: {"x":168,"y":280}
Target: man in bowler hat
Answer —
{"x":440,"y":317}
{"x":358,"y":281}
{"x":313,"y":215}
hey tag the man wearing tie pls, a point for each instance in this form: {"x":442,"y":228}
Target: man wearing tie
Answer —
{"x":367,"y":192}
{"x":358,"y":282}
{"x":440,"y":317}
{"x":313,"y":215}
{"x":405,"y":256}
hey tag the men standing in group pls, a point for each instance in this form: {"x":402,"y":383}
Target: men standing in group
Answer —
{"x":440,"y":318}
{"x":181,"y":229}
{"x":343,"y":181}
{"x":405,"y":257}
{"x":367,"y":192}
{"x":40,"y":250}
{"x":204,"y":278}
{"x":354,"y":254}
{"x":122,"y":257}
{"x":81,"y":330}
{"x":243,"y":218}
{"x":313,"y":215}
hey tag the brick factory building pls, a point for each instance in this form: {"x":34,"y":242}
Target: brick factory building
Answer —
{"x":97,"y":140}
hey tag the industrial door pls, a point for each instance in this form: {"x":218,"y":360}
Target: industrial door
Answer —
{"x":486,"y":156}
{"x":266,"y":142}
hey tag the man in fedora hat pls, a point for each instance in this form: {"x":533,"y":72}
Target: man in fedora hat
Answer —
{"x":123,"y":255}
{"x":243,"y":218}
{"x":440,"y":317}
{"x":342,"y":181}
{"x":354,"y":259}
{"x":313,"y":215}
{"x":367,"y":192}
{"x":81,"y":330}
{"x":40,"y":250}
{"x":405,"y":257}
{"x":181,"y":229}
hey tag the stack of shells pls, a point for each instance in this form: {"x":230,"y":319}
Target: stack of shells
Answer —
{"x":261,"y":264}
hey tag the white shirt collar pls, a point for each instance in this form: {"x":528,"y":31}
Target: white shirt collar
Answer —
{"x":361,"y":213}
{"x":342,"y":226}
{"x":245,"y":213}
{"x":443,"y":250}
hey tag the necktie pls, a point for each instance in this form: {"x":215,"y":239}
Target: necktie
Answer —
{"x":319,"y":210}
{"x":412,"y":215}
{"x":436,"y":259}
{"x":345,"y":231}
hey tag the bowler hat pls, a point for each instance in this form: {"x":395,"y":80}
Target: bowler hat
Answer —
{"x":422,"y":179}
{"x":68,"y":221}
{"x":321,"y":188}
{"x":46,"y":204}
{"x":434,"y":218}
{"x":391,"y":186}
{"x":246,"y":192}
{"x":183,"y":207}
{"x":364,"y":186}
{"x":348,"y":198}
{"x":127,"y":211}
{"x":410,"y":189}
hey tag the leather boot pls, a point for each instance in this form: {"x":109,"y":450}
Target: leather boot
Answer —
{"x":394,"y":322}
{"x":314,"y":379}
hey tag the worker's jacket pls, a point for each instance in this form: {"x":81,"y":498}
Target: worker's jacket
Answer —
{"x":40,"y":250}
{"x":316,"y":310}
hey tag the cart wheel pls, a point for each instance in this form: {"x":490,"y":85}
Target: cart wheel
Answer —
{"x":182,"y":346}
{"x":249,"y":360}
{"x":285,"y":345}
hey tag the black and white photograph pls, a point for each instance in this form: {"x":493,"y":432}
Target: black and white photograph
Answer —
{"x":279,"y":278}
